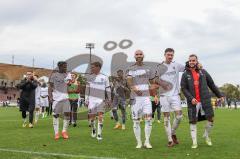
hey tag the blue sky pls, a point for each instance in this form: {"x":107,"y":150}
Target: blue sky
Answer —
{"x":58,"y":29}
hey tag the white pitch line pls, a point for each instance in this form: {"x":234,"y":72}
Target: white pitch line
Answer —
{"x":54,"y":154}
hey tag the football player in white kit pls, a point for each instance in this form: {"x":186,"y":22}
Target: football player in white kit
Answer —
{"x":98,"y":92}
{"x":58,"y":96}
{"x":138,"y":78}
{"x":169,"y":98}
{"x":44,"y":103}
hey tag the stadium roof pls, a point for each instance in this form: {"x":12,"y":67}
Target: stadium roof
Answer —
{"x":16,"y":72}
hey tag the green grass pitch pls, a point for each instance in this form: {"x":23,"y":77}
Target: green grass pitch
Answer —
{"x":38,"y":143}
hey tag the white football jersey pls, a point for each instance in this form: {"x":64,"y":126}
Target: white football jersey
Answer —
{"x":97,"y":85}
{"x":59,"y":81}
{"x":141,"y":76}
{"x":172,"y":76}
{"x":44,"y":91}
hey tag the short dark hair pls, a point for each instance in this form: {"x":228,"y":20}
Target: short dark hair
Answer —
{"x":60,"y":63}
{"x":193,"y":55}
{"x":97,"y":64}
{"x":168,"y":50}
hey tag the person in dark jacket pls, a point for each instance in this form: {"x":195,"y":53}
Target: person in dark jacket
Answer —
{"x":195,"y":83}
{"x":27,"y":97}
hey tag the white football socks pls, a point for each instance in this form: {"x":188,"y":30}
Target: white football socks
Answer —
{"x":208,"y":128}
{"x":137,"y":130}
{"x":193,"y":131}
{"x":65,"y":125}
{"x":100,"y":127}
{"x":56,"y":125}
{"x":148,"y":130}
{"x":168,"y":129}
{"x":176,"y":122}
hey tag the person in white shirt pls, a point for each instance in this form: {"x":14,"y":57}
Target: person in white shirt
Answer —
{"x":58,"y":96}
{"x":138,"y":78}
{"x":44,"y":103}
{"x":97,"y":94}
{"x":169,"y":94}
